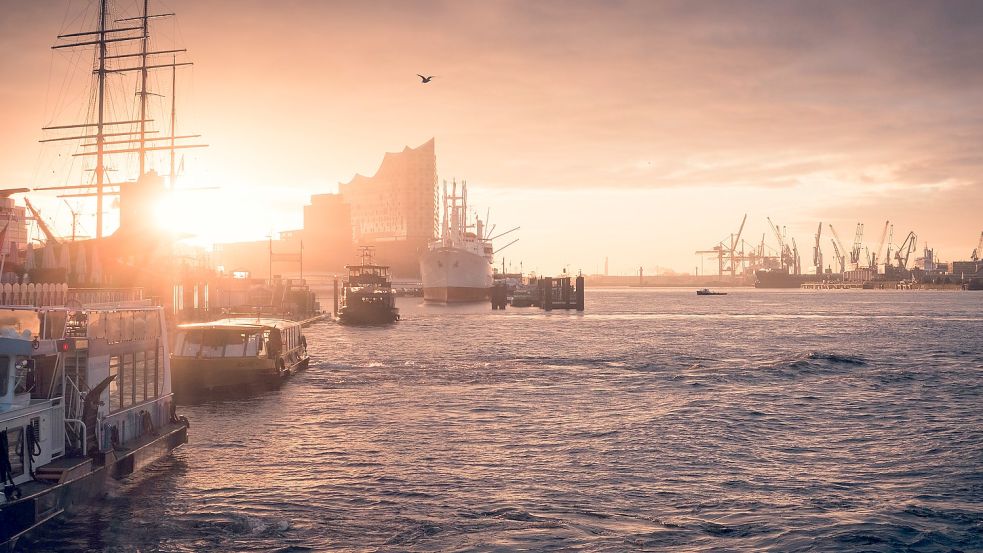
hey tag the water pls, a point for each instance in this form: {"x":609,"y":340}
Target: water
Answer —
{"x":658,"y":420}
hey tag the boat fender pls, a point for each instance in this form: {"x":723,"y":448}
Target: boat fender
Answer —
{"x":33,"y":448}
{"x":184,"y":420}
{"x":280,"y":367}
{"x":148,"y":423}
{"x":10,"y":490}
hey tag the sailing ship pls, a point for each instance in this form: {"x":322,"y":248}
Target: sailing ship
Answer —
{"x":367,"y":296}
{"x":85,"y":383}
{"x":457,"y":267}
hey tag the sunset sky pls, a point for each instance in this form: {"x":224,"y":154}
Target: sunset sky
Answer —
{"x":641,"y":131}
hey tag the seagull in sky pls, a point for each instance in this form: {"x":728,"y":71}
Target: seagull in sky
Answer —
{"x":425,"y":80}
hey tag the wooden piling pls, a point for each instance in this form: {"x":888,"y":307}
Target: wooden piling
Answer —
{"x":580,"y":293}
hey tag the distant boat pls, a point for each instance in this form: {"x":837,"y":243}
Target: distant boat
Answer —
{"x":708,"y":292}
{"x":368,"y":296}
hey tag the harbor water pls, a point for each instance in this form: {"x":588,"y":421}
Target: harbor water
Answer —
{"x":761,"y":420}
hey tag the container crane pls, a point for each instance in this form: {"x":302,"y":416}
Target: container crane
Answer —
{"x":890,"y":240}
{"x":781,"y":243}
{"x":978,"y":252}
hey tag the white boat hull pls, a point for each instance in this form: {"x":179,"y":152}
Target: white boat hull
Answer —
{"x":452,"y":275}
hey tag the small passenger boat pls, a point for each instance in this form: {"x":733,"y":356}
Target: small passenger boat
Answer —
{"x":368,"y":296}
{"x":85,"y":396}
{"x":236,"y":355}
{"x":708,"y":292}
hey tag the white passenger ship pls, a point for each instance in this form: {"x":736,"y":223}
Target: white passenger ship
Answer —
{"x":85,"y":396}
{"x":457,"y":267}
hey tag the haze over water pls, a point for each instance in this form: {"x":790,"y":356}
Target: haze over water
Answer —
{"x":657,"y":420}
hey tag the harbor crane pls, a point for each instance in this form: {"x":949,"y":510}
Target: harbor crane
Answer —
{"x":840,"y":258}
{"x":978,"y":252}
{"x":907,"y":248}
{"x":875,"y":257}
{"x":817,"y":252}
{"x":729,"y":250}
{"x":840,"y":250}
{"x":857,"y":240}
{"x":45,"y":229}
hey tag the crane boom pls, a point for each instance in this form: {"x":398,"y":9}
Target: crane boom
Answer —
{"x":906,"y":249}
{"x":41,"y":224}
{"x":840,"y":249}
{"x":880,"y":246}
{"x":839,"y":256}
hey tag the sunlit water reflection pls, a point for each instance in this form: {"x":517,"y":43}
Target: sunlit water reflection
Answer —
{"x":658,"y":420}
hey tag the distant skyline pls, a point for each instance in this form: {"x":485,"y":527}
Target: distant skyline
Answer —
{"x":638,"y":131}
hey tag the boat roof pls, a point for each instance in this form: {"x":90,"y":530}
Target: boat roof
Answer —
{"x":242,"y":323}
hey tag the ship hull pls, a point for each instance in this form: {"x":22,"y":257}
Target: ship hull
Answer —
{"x":33,"y":510}
{"x":453,"y":275}
{"x":781,"y":279}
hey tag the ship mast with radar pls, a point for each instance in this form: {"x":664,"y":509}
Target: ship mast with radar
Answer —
{"x":109,"y":35}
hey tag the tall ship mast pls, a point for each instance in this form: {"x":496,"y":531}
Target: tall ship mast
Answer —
{"x":124,"y":53}
{"x":457,"y":266}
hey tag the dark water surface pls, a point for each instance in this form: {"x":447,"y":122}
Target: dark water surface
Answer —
{"x":658,"y":420}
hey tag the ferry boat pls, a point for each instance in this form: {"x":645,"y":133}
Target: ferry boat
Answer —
{"x":236,"y":354}
{"x":457,"y":267}
{"x":85,"y":396}
{"x":368,"y":296}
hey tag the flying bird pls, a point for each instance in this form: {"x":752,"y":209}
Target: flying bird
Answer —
{"x":425,"y":80}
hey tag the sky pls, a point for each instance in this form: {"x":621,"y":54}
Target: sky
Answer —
{"x":634,"y":131}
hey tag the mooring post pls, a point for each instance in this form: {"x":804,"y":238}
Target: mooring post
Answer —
{"x":580,"y":293}
{"x":548,"y":293}
{"x":335,"y":313}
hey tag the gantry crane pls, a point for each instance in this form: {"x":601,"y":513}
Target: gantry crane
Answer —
{"x":978,"y":252}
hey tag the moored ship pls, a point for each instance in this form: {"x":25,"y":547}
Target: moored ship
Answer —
{"x":85,"y":396}
{"x":780,"y":278}
{"x":457,"y":267}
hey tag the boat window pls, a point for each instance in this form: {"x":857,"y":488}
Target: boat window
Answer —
{"x":113,"y":327}
{"x":126,"y":318}
{"x":252,"y":345}
{"x":160,"y":370}
{"x":140,"y":372}
{"x":139,"y":326}
{"x":46,"y":377}
{"x":128,"y":389}
{"x":97,"y":325}
{"x":215,"y":341}
{"x":152,"y":388}
{"x":54,"y":324}
{"x":115,"y":399}
{"x":236,"y":348}
{"x":20,"y":322}
{"x":190,"y":343}
{"x":4,"y":374}
{"x":14,"y":437}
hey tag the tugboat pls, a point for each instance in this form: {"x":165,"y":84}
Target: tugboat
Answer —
{"x":85,"y":396}
{"x":236,"y":355}
{"x":368,"y":296}
{"x":708,"y":292}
